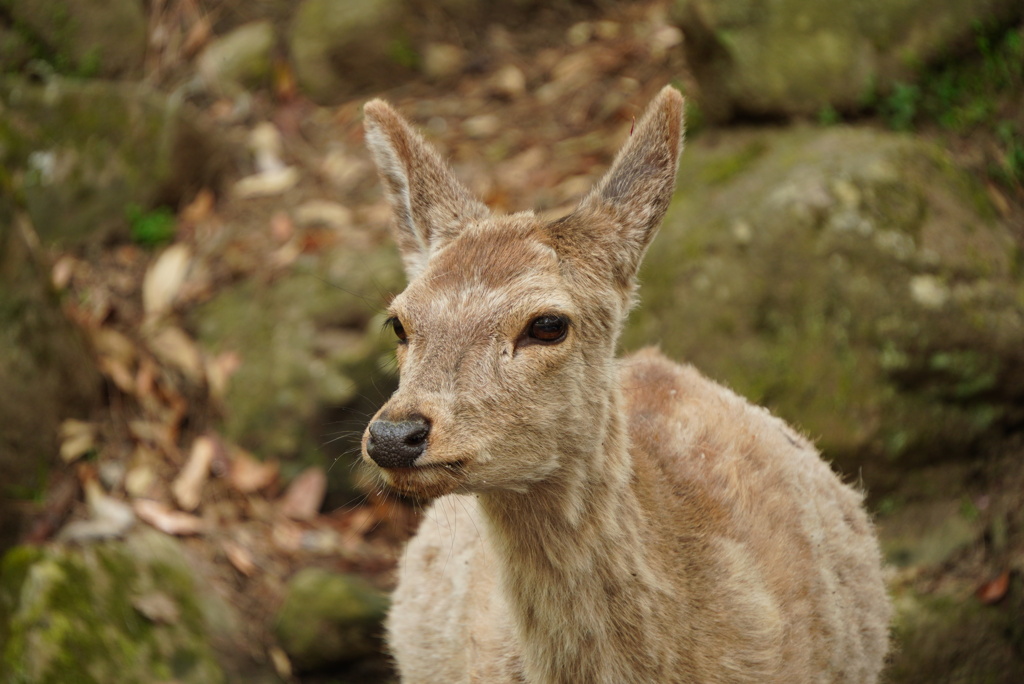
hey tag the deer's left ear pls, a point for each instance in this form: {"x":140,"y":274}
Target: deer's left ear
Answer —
{"x":430,"y":205}
{"x":636,"y":190}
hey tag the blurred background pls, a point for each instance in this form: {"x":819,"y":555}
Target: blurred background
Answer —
{"x":194,"y":256}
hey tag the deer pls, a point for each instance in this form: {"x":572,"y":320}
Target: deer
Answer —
{"x":593,"y":519}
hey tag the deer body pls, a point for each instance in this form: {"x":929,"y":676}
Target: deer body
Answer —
{"x":596,"y":519}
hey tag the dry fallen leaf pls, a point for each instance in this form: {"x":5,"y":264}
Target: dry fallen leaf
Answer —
{"x":285,"y":255}
{"x":319,"y":540}
{"x":998,"y":199}
{"x":286,"y":87}
{"x":108,"y":517}
{"x":343,"y":170}
{"x":175,"y":348}
{"x":77,"y":438}
{"x":118,"y":373}
{"x":239,"y":557}
{"x":139,"y":480}
{"x":282,"y":664}
{"x":305,"y":495}
{"x":145,"y":379}
{"x":219,"y":370}
{"x":508,"y":82}
{"x":323,"y":213}
{"x":248,"y":475}
{"x":198,"y":36}
{"x":281,"y":227}
{"x":267,"y":183}
{"x":164,"y":279}
{"x":994,"y":590}
{"x":286,"y":536}
{"x":266,"y":145}
{"x":200,"y":208}
{"x":188,"y":486}
{"x":148,"y":432}
{"x":166,"y":519}
{"x":62,"y":271}
{"x":360,"y":520}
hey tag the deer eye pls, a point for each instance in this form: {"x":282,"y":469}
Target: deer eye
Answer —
{"x":399,"y":329}
{"x":548,"y":329}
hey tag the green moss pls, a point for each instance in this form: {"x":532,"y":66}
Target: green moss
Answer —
{"x":966,"y":95}
{"x":33,"y":486}
{"x":151,"y":228}
{"x":900,"y":108}
{"x":1010,"y":167}
{"x":71,"y":615}
{"x":14,"y":568}
{"x":942,"y":638}
{"x":48,"y":50}
{"x":90,"y":65}
{"x":403,"y":53}
{"x":726,"y":168}
{"x":828,"y":116}
{"x":329,"y":617}
{"x":696,"y":120}
{"x":969,"y":372}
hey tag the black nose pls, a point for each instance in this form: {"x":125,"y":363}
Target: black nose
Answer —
{"x":397,"y":444}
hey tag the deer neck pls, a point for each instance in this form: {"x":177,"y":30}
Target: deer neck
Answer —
{"x":580,"y":581}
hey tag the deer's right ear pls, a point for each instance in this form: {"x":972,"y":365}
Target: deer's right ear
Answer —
{"x":431,"y":206}
{"x":638,"y":187}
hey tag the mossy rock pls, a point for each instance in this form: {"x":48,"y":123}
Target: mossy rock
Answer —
{"x":80,"y":155}
{"x":311,"y":347}
{"x":798,"y":57}
{"x":15,"y":50}
{"x":240,"y":59}
{"x":113,"y":612}
{"x":47,"y":370}
{"x":957,"y":639}
{"x":852,"y":280}
{"x":929,"y":533}
{"x":85,"y":37}
{"x":329,"y":618}
{"x":341,"y":48}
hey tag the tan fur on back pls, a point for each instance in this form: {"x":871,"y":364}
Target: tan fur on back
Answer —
{"x":595,"y":519}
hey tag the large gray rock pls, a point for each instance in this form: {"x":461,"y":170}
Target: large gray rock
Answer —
{"x":954,"y":638}
{"x":15,"y":50}
{"x":240,"y":59}
{"x":800,"y":56}
{"x":966,"y":626}
{"x":306,"y":345}
{"x":853,"y":280}
{"x":80,"y":154}
{"x":47,"y":372}
{"x":330,"y":618}
{"x":85,"y":37}
{"x":119,"y":611}
{"x":340,"y":47}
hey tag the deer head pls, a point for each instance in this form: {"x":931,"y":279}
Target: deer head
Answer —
{"x":507,"y":329}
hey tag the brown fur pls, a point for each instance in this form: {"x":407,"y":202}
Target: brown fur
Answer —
{"x":596,"y":519}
